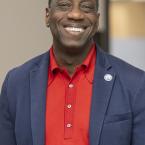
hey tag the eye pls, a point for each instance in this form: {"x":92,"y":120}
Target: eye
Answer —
{"x":87,"y":7}
{"x":64,"y":6}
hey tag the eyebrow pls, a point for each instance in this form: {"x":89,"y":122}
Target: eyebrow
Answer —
{"x":86,"y":1}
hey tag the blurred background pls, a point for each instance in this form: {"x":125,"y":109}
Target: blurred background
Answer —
{"x":23,"y":33}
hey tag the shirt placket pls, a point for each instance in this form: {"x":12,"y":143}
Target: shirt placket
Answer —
{"x":69,"y":109}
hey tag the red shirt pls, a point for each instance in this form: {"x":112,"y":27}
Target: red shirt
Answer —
{"x":68,"y":102}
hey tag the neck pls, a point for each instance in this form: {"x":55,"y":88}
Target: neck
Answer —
{"x":69,"y":59}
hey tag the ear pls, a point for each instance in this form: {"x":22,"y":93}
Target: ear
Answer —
{"x":47,"y":10}
{"x":97,"y":23}
{"x":98,"y":18}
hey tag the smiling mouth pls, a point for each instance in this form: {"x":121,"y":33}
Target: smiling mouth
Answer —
{"x":74,"y":30}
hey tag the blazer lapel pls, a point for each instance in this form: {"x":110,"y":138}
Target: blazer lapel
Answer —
{"x":38,"y":87}
{"x":101,"y":94}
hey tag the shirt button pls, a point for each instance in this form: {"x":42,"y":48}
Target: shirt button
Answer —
{"x":68,"y":125}
{"x":69,"y":106}
{"x":71,"y":85}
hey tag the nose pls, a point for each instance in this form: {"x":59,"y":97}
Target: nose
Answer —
{"x":75,"y":14}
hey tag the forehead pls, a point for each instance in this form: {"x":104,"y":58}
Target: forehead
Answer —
{"x":75,"y":1}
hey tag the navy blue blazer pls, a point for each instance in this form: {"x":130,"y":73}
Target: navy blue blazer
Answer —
{"x":117,"y":110}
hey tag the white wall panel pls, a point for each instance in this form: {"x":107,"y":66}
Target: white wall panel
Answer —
{"x":130,"y":50}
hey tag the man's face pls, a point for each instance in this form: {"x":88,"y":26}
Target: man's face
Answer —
{"x":73,"y":23}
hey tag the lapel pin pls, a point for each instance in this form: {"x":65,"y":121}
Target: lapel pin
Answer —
{"x":108,"y":77}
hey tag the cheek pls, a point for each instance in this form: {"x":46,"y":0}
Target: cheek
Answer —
{"x":93,"y":20}
{"x":95,"y":26}
{"x":93,"y":29}
{"x":53,"y":24}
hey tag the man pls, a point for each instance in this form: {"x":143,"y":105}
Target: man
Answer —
{"x":75,"y":94}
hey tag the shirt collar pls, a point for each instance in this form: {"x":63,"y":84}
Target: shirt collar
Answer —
{"x":53,"y":64}
{"x":88,"y":60}
{"x":88,"y":64}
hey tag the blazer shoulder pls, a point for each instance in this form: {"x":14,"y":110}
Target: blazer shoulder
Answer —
{"x":36,"y":61}
{"x":21,"y":72}
{"x":131,"y":77}
{"x":124,"y":68}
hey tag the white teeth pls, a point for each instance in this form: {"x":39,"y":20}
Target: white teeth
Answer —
{"x":73,"y":29}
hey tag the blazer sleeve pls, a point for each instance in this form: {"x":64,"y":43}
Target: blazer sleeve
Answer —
{"x":138,"y":128}
{"x":7,"y":133}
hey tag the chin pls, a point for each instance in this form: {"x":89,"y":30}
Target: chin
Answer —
{"x":74,"y":44}
{"x":74,"y":47}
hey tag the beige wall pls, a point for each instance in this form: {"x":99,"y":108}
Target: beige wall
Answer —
{"x":127,"y":19}
{"x":23,"y":34}
{"x":127,"y":31}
